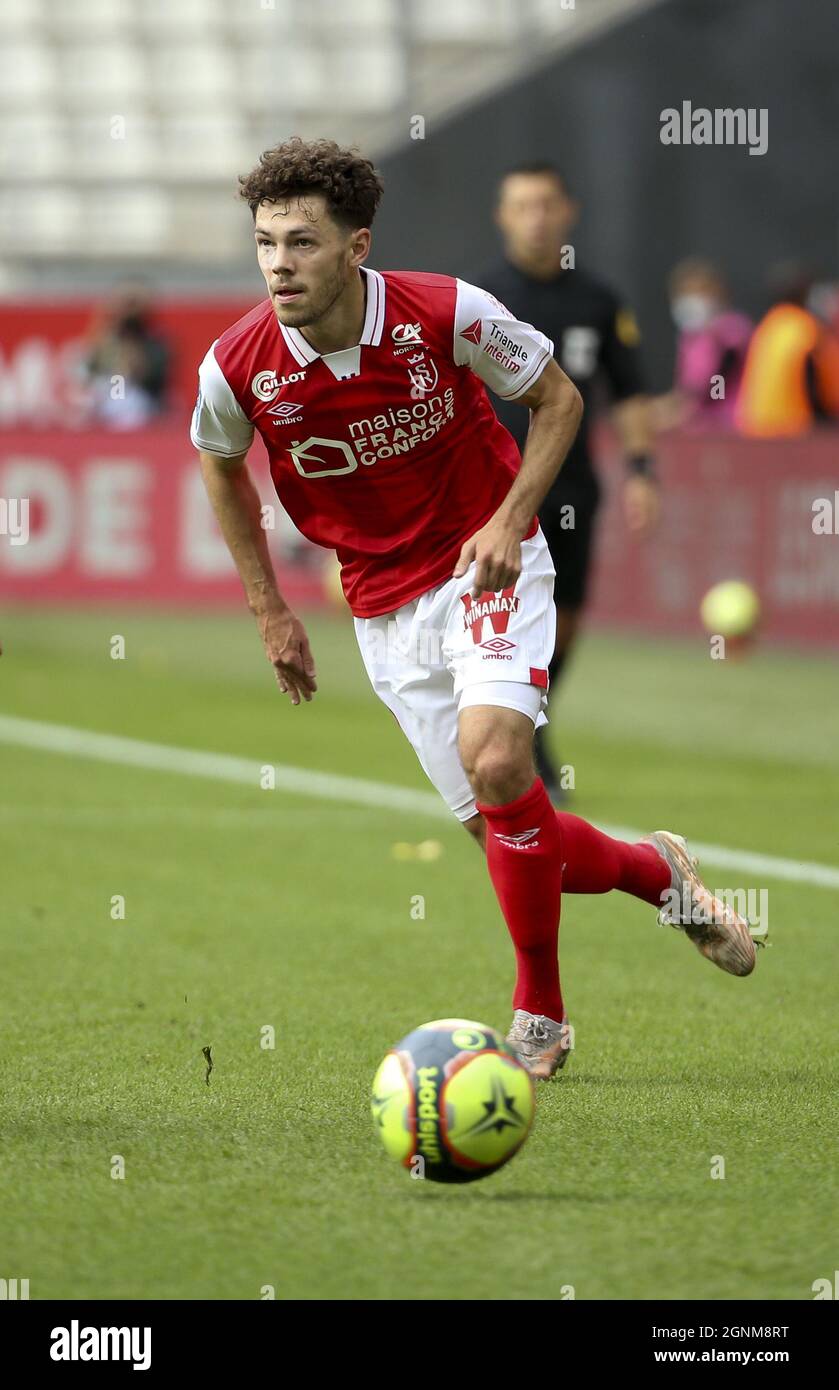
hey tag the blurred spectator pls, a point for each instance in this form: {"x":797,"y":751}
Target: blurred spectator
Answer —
{"x":128,"y":362}
{"x":823,"y":300}
{"x":711,"y":350}
{"x":791,"y":376}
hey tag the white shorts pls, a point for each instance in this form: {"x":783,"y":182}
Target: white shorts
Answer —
{"x":443,"y":651}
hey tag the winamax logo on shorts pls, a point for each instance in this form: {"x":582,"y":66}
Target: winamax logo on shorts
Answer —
{"x":76,"y":1343}
{"x":495,"y":606}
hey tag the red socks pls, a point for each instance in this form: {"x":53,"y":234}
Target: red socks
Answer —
{"x":595,"y":863}
{"x":524,"y":856}
{"x":533,"y":853}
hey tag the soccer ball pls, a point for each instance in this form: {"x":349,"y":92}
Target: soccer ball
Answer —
{"x":731,"y":609}
{"x":452,"y":1102}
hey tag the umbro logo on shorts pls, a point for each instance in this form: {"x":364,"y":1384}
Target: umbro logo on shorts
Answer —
{"x":498,"y":644}
{"x":523,"y":840}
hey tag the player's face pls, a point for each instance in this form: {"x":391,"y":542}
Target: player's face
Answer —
{"x":306,"y":257}
{"x":534,"y":214}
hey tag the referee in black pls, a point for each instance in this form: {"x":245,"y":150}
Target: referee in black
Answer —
{"x":595,"y":341}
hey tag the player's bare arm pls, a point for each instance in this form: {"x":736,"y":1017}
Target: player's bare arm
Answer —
{"x":641,"y":495}
{"x":556,"y":410}
{"x":236,"y":504}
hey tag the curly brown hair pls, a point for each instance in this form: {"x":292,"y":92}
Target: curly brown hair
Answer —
{"x":349,"y":183}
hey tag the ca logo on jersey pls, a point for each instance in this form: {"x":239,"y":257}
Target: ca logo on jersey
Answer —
{"x":407,"y":333}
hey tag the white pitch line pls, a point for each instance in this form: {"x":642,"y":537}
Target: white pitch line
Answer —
{"x":221,"y":767}
{"x":160,"y":757}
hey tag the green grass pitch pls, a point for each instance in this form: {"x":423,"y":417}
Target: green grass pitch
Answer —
{"x":248,"y":909}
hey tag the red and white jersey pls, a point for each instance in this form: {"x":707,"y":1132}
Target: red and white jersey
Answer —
{"x":389,"y":452}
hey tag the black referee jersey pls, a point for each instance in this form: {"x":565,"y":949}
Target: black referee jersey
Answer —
{"x":595,"y":339}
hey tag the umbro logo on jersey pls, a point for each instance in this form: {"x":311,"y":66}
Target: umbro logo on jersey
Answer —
{"x":497,"y":644}
{"x":523,"y":840}
{"x":407,"y":333}
{"x":473,"y":333}
{"x":266,"y":385}
{"x":284,"y":411}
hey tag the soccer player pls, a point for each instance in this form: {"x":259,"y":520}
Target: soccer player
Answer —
{"x":595,"y":338}
{"x":368,"y":388}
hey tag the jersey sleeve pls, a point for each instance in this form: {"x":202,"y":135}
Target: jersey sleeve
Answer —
{"x":507,"y":355}
{"x":219,"y":424}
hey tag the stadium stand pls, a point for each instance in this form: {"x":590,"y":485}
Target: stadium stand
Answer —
{"x":137,"y":116}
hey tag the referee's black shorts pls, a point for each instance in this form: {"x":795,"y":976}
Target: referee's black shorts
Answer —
{"x":570,"y":544}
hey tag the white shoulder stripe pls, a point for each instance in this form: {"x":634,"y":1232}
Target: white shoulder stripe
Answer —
{"x":506,"y":353}
{"x":219,"y":424}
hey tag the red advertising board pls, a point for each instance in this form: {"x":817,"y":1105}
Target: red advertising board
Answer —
{"x":124,"y":516}
{"x":763,"y":511}
{"x":43,"y":346}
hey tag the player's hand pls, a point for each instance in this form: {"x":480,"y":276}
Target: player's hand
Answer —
{"x":641,"y":506}
{"x":287,"y":648}
{"x":496,"y":550}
